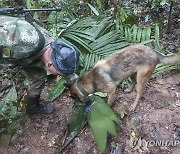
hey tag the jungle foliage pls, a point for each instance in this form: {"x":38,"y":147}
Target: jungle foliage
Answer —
{"x":97,"y":28}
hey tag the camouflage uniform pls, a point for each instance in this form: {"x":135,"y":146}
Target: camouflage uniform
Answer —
{"x":19,"y":46}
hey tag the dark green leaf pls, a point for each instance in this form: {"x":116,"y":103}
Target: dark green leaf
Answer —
{"x":56,"y":90}
{"x":78,"y":118}
{"x":77,"y":122}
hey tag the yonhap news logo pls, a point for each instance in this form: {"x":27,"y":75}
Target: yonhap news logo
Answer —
{"x":163,"y":143}
{"x":139,"y":142}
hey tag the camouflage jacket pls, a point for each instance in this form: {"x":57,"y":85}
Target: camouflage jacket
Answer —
{"x":19,"y":41}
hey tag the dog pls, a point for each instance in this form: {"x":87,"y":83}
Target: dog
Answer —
{"x":135,"y":61}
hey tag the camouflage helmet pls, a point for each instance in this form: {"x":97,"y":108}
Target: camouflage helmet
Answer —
{"x":65,"y":57}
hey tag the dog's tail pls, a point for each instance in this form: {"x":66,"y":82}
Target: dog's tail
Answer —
{"x":172,"y":59}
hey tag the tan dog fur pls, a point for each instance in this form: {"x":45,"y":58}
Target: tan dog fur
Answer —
{"x":136,"y":61}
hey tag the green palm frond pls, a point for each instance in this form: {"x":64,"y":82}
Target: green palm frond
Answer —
{"x":89,"y":60}
{"x":99,"y":37}
{"x":136,"y":34}
{"x":95,"y":38}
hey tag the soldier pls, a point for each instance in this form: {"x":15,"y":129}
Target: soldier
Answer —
{"x":25,"y":45}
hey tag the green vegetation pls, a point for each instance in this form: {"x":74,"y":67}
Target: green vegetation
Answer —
{"x":8,"y":111}
{"x":96,"y":31}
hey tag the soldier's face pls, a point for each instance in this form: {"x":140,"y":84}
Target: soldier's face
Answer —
{"x":53,"y":70}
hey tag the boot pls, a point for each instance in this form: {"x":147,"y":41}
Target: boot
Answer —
{"x":34,"y":107}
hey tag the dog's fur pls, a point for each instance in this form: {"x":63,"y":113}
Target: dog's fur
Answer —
{"x":136,"y":61}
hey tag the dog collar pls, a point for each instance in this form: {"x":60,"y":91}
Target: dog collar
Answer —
{"x":81,"y":89}
{"x":87,"y":96}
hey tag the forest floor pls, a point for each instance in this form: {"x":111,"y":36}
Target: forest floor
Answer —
{"x":156,"y":119}
{"x":155,"y":124}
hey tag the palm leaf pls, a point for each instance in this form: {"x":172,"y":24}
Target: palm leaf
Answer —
{"x":99,"y":37}
{"x":77,"y":41}
{"x":110,"y":48}
{"x":135,"y":30}
{"x":157,"y":45}
{"x":93,"y":9}
{"x":139,"y":34}
{"x":103,"y":41}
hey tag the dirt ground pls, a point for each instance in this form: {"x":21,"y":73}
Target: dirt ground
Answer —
{"x":156,"y":119}
{"x":155,"y":126}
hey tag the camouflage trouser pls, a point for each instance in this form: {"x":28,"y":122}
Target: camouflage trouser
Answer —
{"x":36,"y":77}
